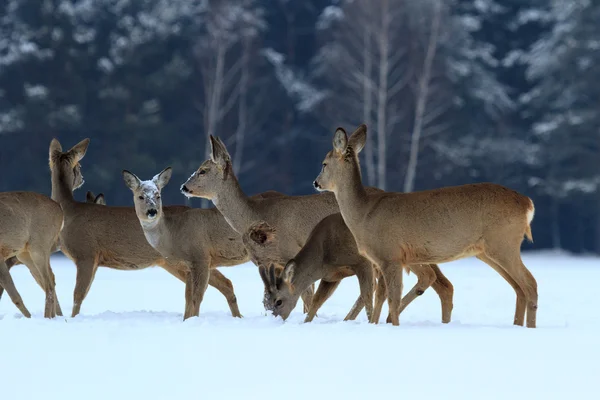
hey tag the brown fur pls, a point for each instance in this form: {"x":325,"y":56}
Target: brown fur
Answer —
{"x":294,"y":217}
{"x":107,"y":236}
{"x":330,"y":254}
{"x":393,"y":229}
{"x":12,"y":261}
{"x":30,"y":225}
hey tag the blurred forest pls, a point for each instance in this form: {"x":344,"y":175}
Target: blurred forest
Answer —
{"x":453,"y":92}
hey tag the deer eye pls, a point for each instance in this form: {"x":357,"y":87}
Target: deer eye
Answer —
{"x":157,"y":197}
{"x":202,"y":172}
{"x":141,"y":197}
{"x":278,"y":303}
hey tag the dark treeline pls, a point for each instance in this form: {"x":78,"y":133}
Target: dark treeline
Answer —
{"x":453,"y":92}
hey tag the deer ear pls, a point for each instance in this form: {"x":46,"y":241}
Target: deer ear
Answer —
{"x":80,"y":149}
{"x":219,"y":154}
{"x":89,"y":197}
{"x":358,"y":138}
{"x":162,"y":178}
{"x":340,"y":140}
{"x":100,"y":199}
{"x":132,"y":181}
{"x":55,"y":150}
{"x":288,"y":271}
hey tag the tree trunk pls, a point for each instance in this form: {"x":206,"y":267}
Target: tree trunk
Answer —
{"x":555,"y":212}
{"x":382,"y":96}
{"x":368,"y":99}
{"x":240,"y":133}
{"x":422,"y":94}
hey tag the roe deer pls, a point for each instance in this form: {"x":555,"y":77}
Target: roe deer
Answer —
{"x":96,"y":235}
{"x":395,"y":229}
{"x":11,"y":262}
{"x":200,"y":239}
{"x":330,"y":254}
{"x":30,"y":224}
{"x":294,"y":217}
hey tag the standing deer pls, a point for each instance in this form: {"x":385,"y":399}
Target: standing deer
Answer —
{"x":30,"y":224}
{"x":96,"y":235}
{"x":395,"y":229}
{"x":330,"y":254}
{"x":200,"y":239}
{"x":12,"y":261}
{"x":294,"y":217}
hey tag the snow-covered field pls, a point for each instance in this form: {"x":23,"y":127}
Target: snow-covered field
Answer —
{"x":130,"y":341}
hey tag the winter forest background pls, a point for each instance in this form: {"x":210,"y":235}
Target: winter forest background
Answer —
{"x":453,"y":92}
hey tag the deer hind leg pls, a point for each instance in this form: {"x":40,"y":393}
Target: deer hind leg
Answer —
{"x":7,"y":283}
{"x":307,"y":297}
{"x":380,"y":296}
{"x":324,"y":291}
{"x":39,"y":277}
{"x":9,"y":264}
{"x":521,"y":298}
{"x":508,"y":256}
{"x":86,"y":270}
{"x":425,"y":277}
{"x":224,"y":285}
{"x":445,"y":291}
{"x":41,"y":262}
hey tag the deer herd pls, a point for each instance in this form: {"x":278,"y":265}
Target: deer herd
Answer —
{"x":295,"y":241}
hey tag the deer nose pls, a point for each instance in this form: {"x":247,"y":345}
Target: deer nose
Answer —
{"x":152,"y":213}
{"x":316,"y":184}
{"x":185,"y":189}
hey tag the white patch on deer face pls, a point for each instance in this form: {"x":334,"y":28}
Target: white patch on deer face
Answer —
{"x":148,"y":202}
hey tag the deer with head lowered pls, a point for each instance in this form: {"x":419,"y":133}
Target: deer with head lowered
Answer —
{"x":30,"y":224}
{"x":95,"y":235}
{"x":330,"y":254}
{"x":12,"y":261}
{"x":294,"y":217}
{"x":484,"y":220}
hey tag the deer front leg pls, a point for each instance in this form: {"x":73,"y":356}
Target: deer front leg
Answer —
{"x":324,"y":291}
{"x":444,"y":289}
{"x":9,"y":264}
{"x":364,"y":273}
{"x":307,"y":297}
{"x":224,"y":285}
{"x":392,"y":273}
{"x":86,"y":270}
{"x":199,"y":277}
{"x":7,"y":283}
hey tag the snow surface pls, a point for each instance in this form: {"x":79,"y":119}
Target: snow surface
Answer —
{"x":130,"y":341}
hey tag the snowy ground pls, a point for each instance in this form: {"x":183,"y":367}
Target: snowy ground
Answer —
{"x":130,"y":341}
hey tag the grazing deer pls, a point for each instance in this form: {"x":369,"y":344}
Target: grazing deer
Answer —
{"x":330,"y":254}
{"x":30,"y":224}
{"x":294,"y":217}
{"x":396,"y":229}
{"x":11,"y":262}
{"x":107,"y":236}
{"x":200,"y":239}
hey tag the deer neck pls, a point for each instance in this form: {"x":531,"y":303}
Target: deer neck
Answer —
{"x":352,"y":197}
{"x":305,"y":274}
{"x":155,"y":231}
{"x":237,"y":208}
{"x":62,"y":192}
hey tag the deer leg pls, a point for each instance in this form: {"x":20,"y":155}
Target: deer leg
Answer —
{"x":359,"y":304}
{"x":26,"y":259}
{"x":41,"y":261}
{"x":364,"y":273}
{"x":324,"y":291}
{"x":445,"y":290}
{"x":392,"y":273}
{"x":425,"y":277}
{"x":200,"y":274}
{"x":380,"y":296}
{"x":521,"y":299}
{"x":307,"y":296}
{"x":9,"y":264}
{"x":7,"y":283}
{"x":86,"y":270}
{"x":224,"y":285}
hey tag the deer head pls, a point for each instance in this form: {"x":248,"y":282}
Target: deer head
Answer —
{"x":67,"y":163}
{"x":342,"y":160}
{"x":146,"y":194}
{"x":207,"y":181}
{"x":280,"y":297}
